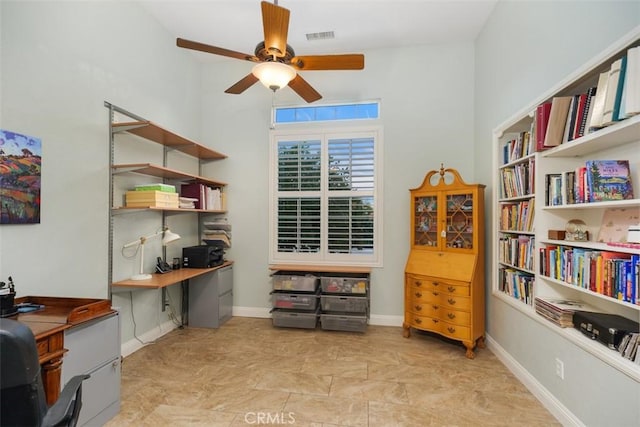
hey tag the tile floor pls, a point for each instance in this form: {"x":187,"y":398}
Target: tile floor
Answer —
{"x":250,"y":373}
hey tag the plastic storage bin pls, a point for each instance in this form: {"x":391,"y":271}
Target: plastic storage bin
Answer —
{"x":300,"y":301}
{"x":343,"y":322}
{"x":294,"y":319}
{"x":295,"y":282}
{"x":344,"y":303}
{"x":344,"y":284}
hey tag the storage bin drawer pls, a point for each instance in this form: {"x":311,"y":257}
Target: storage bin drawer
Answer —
{"x":344,"y":284}
{"x":294,"y":319}
{"x":344,"y":303}
{"x":99,"y":393}
{"x":343,"y":322}
{"x":295,"y":282}
{"x":297,"y":301}
{"x":90,"y":344}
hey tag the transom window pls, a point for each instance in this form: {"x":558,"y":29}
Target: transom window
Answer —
{"x":325,"y":196}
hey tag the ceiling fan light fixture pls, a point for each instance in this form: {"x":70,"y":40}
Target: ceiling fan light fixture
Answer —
{"x":274,"y":75}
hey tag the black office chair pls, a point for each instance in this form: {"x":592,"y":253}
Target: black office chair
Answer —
{"x":22,"y":398}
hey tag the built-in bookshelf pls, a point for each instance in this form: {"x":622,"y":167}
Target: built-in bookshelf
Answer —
{"x":537,"y":197}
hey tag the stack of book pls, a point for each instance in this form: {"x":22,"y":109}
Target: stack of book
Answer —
{"x":217,"y":233}
{"x":628,"y":347}
{"x":615,"y":97}
{"x":560,"y":311}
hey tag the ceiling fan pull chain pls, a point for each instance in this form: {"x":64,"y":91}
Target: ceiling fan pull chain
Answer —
{"x":272,"y":125}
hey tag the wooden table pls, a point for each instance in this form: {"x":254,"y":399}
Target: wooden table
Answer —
{"x":48,"y":326}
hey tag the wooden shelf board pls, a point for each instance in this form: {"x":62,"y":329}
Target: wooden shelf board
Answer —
{"x":159,"y":281}
{"x":124,"y":209}
{"x":319,"y":268}
{"x":156,"y":133}
{"x":163,"y":172}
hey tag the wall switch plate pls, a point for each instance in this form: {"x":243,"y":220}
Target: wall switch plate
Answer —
{"x":559,"y":368}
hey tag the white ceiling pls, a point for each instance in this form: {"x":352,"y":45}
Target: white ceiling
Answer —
{"x":358,"y":24}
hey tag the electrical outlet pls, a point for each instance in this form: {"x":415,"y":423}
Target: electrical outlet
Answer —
{"x":559,"y":368}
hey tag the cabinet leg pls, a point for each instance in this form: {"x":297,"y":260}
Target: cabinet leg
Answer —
{"x":470,"y":354}
{"x":480,"y":342}
{"x":406,"y":330}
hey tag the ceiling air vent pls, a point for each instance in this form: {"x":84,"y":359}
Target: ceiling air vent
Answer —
{"x":325,"y":35}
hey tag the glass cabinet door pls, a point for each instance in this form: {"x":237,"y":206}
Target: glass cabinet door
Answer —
{"x":426,"y":221}
{"x":459,"y":221}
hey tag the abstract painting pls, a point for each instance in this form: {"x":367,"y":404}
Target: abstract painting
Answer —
{"x":20,"y":168}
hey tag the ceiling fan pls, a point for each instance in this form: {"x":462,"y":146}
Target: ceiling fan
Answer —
{"x":276,"y":63}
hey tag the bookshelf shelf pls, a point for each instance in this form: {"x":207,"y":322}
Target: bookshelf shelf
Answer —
{"x":618,"y":141}
{"x":132,"y":137}
{"x":153,"y":132}
{"x":163,"y":172}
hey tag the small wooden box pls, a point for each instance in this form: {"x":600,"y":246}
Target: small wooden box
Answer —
{"x":556,"y":234}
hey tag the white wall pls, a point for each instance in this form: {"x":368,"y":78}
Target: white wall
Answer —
{"x":60,"y":61}
{"x":523,"y":51}
{"x":426,"y":95}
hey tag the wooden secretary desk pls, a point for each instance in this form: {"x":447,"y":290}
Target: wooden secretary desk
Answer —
{"x":444,"y":274}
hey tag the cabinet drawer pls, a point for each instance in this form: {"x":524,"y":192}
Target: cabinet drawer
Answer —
{"x":438,"y":298}
{"x":433,"y":284}
{"x":436,"y":325}
{"x":100,"y":391}
{"x":90,"y":345}
{"x":443,"y":313}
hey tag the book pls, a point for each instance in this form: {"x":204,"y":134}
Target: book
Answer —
{"x":595,"y":122}
{"x":582,"y":102}
{"x":630,"y":102}
{"x":541,"y":121}
{"x":608,"y":180}
{"x":560,"y":310}
{"x":614,"y":92}
{"x":585,"y":116}
{"x":557,"y":120}
{"x":571,"y":119}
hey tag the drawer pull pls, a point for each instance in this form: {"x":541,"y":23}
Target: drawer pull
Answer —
{"x":418,"y":294}
{"x":451,"y":289}
{"x":451,"y":315}
{"x":418,"y":307}
{"x":418,"y":320}
{"x":418,"y":283}
{"x":451,"y":329}
{"x":451,"y":301}
{"x":435,"y":320}
{"x":435,"y":307}
{"x":436,"y":293}
{"x":435,"y":283}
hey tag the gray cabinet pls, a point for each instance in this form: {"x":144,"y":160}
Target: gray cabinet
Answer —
{"x":211,"y":298}
{"x":94,"y":349}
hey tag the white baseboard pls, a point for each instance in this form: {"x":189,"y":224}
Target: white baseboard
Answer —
{"x":384,"y":320}
{"x":548,"y":400}
{"x":251,"y":312}
{"x":134,"y":345}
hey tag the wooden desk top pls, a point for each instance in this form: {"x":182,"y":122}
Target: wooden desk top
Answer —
{"x":64,"y":311}
{"x":158,"y":281}
{"x":319,"y":268}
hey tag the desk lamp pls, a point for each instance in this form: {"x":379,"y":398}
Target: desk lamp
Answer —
{"x":168,"y":237}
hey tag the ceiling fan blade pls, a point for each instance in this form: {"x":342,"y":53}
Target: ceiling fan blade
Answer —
{"x":275,"y":22}
{"x":329,"y":62}
{"x":304,"y":89}
{"x":188,"y":44}
{"x":245,"y":83}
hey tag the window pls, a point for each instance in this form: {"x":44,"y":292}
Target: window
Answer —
{"x":320,"y":113}
{"x":325,"y":196}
